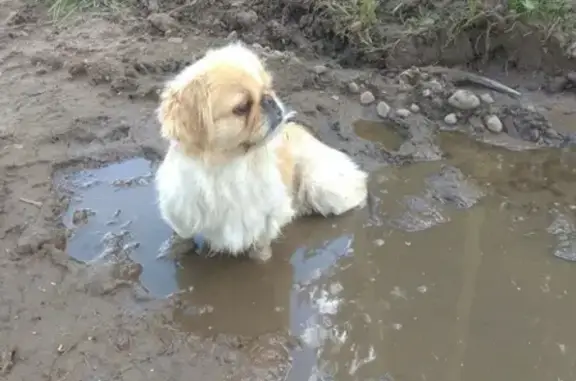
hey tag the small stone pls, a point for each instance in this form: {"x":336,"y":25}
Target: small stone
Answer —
{"x":403,"y":113}
{"x":383,"y":109}
{"x":552,"y":134}
{"x":163,"y":22}
{"x":60,"y":349}
{"x":493,"y":124}
{"x":379,"y":242}
{"x":434,"y":86}
{"x":464,"y":100}
{"x":414,"y":108}
{"x":247,"y":19}
{"x":427,"y":93}
{"x":320,"y":69}
{"x":176,"y":40}
{"x":571,"y":77}
{"x":366,"y":98}
{"x":487,"y":98}
{"x":353,"y":87}
{"x":450,"y":119}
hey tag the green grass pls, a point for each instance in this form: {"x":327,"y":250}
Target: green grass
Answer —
{"x":364,"y":21}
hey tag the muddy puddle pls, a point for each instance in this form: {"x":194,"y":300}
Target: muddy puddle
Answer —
{"x":461,"y":269}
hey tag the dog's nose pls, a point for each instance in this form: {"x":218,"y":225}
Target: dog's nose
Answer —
{"x":270,"y":104}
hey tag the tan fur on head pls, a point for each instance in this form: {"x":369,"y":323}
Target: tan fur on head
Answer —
{"x":213,"y":108}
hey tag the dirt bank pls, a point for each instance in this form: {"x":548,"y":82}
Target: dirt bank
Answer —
{"x":83,"y":93}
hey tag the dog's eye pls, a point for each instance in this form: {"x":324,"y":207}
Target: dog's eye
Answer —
{"x":243,"y":108}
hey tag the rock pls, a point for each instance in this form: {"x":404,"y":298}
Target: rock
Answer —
{"x":383,"y":109}
{"x":246,"y":19}
{"x":434,"y":86}
{"x":464,"y":100}
{"x":353,"y":87}
{"x":414,"y":108}
{"x":427,"y":93}
{"x":450,"y":119}
{"x":571,"y":77}
{"x":403,"y":113}
{"x":163,"y":22}
{"x":366,"y":98}
{"x":487,"y":98}
{"x":493,"y":124}
{"x":552,"y":134}
{"x":320,"y":69}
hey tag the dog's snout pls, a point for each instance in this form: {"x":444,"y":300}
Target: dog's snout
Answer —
{"x":271,"y":106}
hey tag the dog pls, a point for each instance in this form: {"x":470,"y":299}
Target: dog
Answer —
{"x":238,"y":169}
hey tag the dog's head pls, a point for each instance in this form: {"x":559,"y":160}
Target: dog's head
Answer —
{"x":222,"y":105}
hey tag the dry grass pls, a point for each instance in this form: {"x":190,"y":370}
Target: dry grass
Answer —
{"x":60,"y":10}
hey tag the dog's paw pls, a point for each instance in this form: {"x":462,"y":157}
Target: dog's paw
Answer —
{"x":260,"y":254}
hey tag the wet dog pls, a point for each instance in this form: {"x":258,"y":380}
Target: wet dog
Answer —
{"x":237,"y":169}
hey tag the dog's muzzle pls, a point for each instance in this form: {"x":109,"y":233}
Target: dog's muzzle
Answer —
{"x":275,"y":111}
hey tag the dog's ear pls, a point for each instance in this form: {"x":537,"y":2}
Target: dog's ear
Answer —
{"x":186,"y":115}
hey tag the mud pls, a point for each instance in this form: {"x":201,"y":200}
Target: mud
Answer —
{"x":460,"y":268}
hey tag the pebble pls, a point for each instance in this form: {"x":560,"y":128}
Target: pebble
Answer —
{"x":163,"y":22}
{"x":487,"y":98}
{"x":383,"y":109}
{"x":464,"y":100}
{"x":427,"y":93}
{"x":552,"y":134}
{"x":435,"y":86}
{"x":451,"y":119}
{"x":246,"y":19}
{"x":353,"y":87}
{"x":493,"y":124}
{"x":403,"y":113}
{"x":366,"y":98}
{"x":414,"y":108}
{"x":320,"y":69}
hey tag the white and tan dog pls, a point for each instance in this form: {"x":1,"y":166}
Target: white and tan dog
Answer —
{"x":237,"y":169}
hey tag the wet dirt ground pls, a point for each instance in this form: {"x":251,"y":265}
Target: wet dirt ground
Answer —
{"x":460,"y":268}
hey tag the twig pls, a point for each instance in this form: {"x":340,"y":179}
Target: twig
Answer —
{"x":456,"y":75}
{"x":31,"y":202}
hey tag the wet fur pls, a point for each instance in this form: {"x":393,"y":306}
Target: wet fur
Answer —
{"x":235,"y":179}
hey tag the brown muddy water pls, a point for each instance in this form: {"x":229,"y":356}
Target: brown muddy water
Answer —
{"x":462,"y":269}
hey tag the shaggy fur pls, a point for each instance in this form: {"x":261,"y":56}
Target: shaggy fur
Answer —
{"x":237,"y":169}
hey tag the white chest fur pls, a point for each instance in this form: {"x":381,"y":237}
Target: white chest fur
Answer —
{"x":233,"y":206}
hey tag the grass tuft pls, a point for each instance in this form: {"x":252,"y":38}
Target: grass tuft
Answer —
{"x":380,"y":24}
{"x":60,"y":10}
